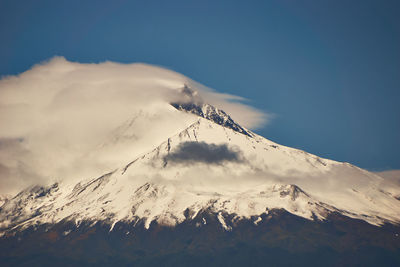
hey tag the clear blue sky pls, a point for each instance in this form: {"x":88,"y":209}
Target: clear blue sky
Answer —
{"x":329,"y":70}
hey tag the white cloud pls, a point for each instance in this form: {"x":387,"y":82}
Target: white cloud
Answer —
{"x":54,"y":117}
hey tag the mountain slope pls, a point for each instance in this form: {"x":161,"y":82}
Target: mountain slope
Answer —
{"x":214,"y":164}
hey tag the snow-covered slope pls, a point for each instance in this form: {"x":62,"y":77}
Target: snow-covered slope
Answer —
{"x":3,"y":199}
{"x":208,"y":162}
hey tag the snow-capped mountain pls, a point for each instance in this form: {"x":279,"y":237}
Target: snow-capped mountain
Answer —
{"x":205,"y":162}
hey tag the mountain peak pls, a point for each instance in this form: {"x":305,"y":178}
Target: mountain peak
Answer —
{"x":211,"y":113}
{"x":194,"y":104}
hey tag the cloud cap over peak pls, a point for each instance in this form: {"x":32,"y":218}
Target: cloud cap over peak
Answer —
{"x":65,"y":110}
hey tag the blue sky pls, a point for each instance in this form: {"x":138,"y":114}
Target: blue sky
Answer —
{"x":328,"y":70}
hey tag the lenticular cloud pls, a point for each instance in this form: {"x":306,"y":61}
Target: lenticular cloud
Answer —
{"x":56,"y":115}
